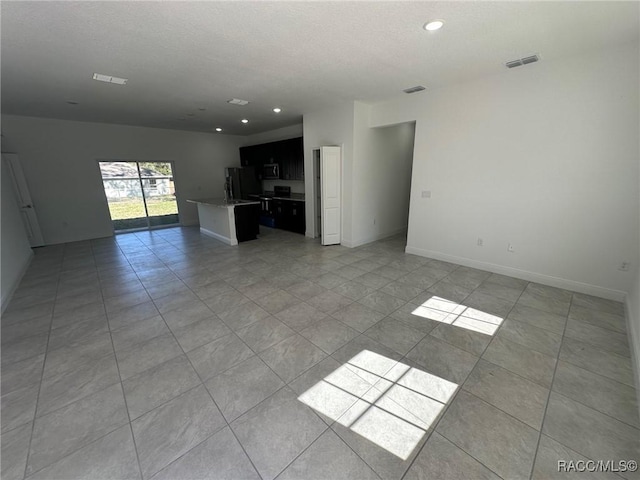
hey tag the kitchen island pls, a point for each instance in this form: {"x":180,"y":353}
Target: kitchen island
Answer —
{"x":230,"y":221}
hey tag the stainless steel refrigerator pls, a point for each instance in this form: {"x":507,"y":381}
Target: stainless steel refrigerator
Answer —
{"x":242,"y":182}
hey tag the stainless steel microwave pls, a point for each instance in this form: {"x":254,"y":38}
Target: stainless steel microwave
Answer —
{"x":271,"y":171}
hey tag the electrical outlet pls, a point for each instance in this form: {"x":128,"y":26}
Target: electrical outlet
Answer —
{"x":623,"y":267}
{"x":480,"y":242}
{"x":374,"y":221}
{"x":510,"y":248}
{"x":426,"y":194}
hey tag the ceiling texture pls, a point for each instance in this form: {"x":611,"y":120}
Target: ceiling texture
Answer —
{"x":184,"y":60}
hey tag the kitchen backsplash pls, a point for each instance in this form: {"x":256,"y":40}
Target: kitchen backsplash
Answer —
{"x":297,"y":186}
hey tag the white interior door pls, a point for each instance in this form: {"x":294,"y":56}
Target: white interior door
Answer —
{"x":28,"y":212}
{"x":331,"y":202}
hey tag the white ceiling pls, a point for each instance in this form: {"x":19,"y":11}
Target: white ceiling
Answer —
{"x":302,"y":56}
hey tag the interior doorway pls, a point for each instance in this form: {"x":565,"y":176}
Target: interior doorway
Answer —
{"x":23,"y":198}
{"x":140,"y":195}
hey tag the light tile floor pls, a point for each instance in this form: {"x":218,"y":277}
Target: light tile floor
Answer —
{"x":169,"y":355}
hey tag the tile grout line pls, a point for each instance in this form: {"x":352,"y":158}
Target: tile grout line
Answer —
{"x":299,"y":255}
{"x":330,"y":426}
{"x":461,"y":385}
{"x":431,"y":430}
{"x":172,"y":398}
{"x":42,"y":376}
{"x":286,"y":385}
{"x":546,"y":406}
{"x":202,"y":383}
{"x":44,"y":364}
{"x":124,"y":397}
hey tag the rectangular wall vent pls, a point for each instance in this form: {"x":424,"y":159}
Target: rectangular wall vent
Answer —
{"x":110,"y":79}
{"x":522,"y":61}
{"x":237,"y":101}
{"x":415,"y":89}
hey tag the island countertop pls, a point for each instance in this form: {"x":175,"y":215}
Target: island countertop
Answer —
{"x":222,"y":202}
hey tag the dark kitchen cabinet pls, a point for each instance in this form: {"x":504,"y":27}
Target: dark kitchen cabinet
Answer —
{"x":280,"y":214}
{"x":256,"y":156}
{"x":291,"y":158}
{"x":288,"y":154}
{"x":246,"y":217}
{"x":294,"y":158}
{"x":298,"y":158}
{"x":289,"y":215}
{"x":246,"y":156}
{"x":297,"y":223}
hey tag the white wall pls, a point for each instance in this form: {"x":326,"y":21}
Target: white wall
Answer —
{"x":284,"y":133}
{"x":333,"y":126}
{"x":544,"y":157}
{"x":633,"y":318}
{"x":381,"y":179}
{"x":633,"y":327}
{"x":14,"y":244}
{"x":60,"y":163}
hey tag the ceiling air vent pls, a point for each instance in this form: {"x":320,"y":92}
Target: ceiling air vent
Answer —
{"x":522,"y":61}
{"x":110,"y":79}
{"x":415,"y":89}
{"x":237,"y":101}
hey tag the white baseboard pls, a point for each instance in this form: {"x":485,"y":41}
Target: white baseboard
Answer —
{"x":374,"y":238}
{"x":552,"y":281}
{"x":6,"y":298}
{"x":347,"y":243}
{"x":217,"y":236}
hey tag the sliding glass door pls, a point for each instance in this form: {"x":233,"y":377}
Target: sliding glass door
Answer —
{"x":140,"y":194}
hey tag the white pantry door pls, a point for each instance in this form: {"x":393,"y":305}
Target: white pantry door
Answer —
{"x":28,"y":213}
{"x":331,"y":202}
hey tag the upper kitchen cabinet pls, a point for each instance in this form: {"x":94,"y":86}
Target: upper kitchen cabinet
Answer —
{"x":288,"y":154}
{"x":291,"y":159}
{"x":256,"y":156}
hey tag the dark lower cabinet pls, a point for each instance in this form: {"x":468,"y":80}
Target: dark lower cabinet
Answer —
{"x":297,"y":217}
{"x":247,"y":218}
{"x":289,"y":215}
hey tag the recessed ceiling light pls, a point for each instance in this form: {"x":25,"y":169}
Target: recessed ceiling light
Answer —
{"x":71,"y":102}
{"x":434,"y":25}
{"x":237,"y":101}
{"x":218,"y":129}
{"x":277,"y":110}
{"x":244,"y":120}
{"x":110,"y":79}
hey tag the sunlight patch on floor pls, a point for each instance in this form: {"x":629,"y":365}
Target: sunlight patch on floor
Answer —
{"x":452,"y":313}
{"x":387,"y":402}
